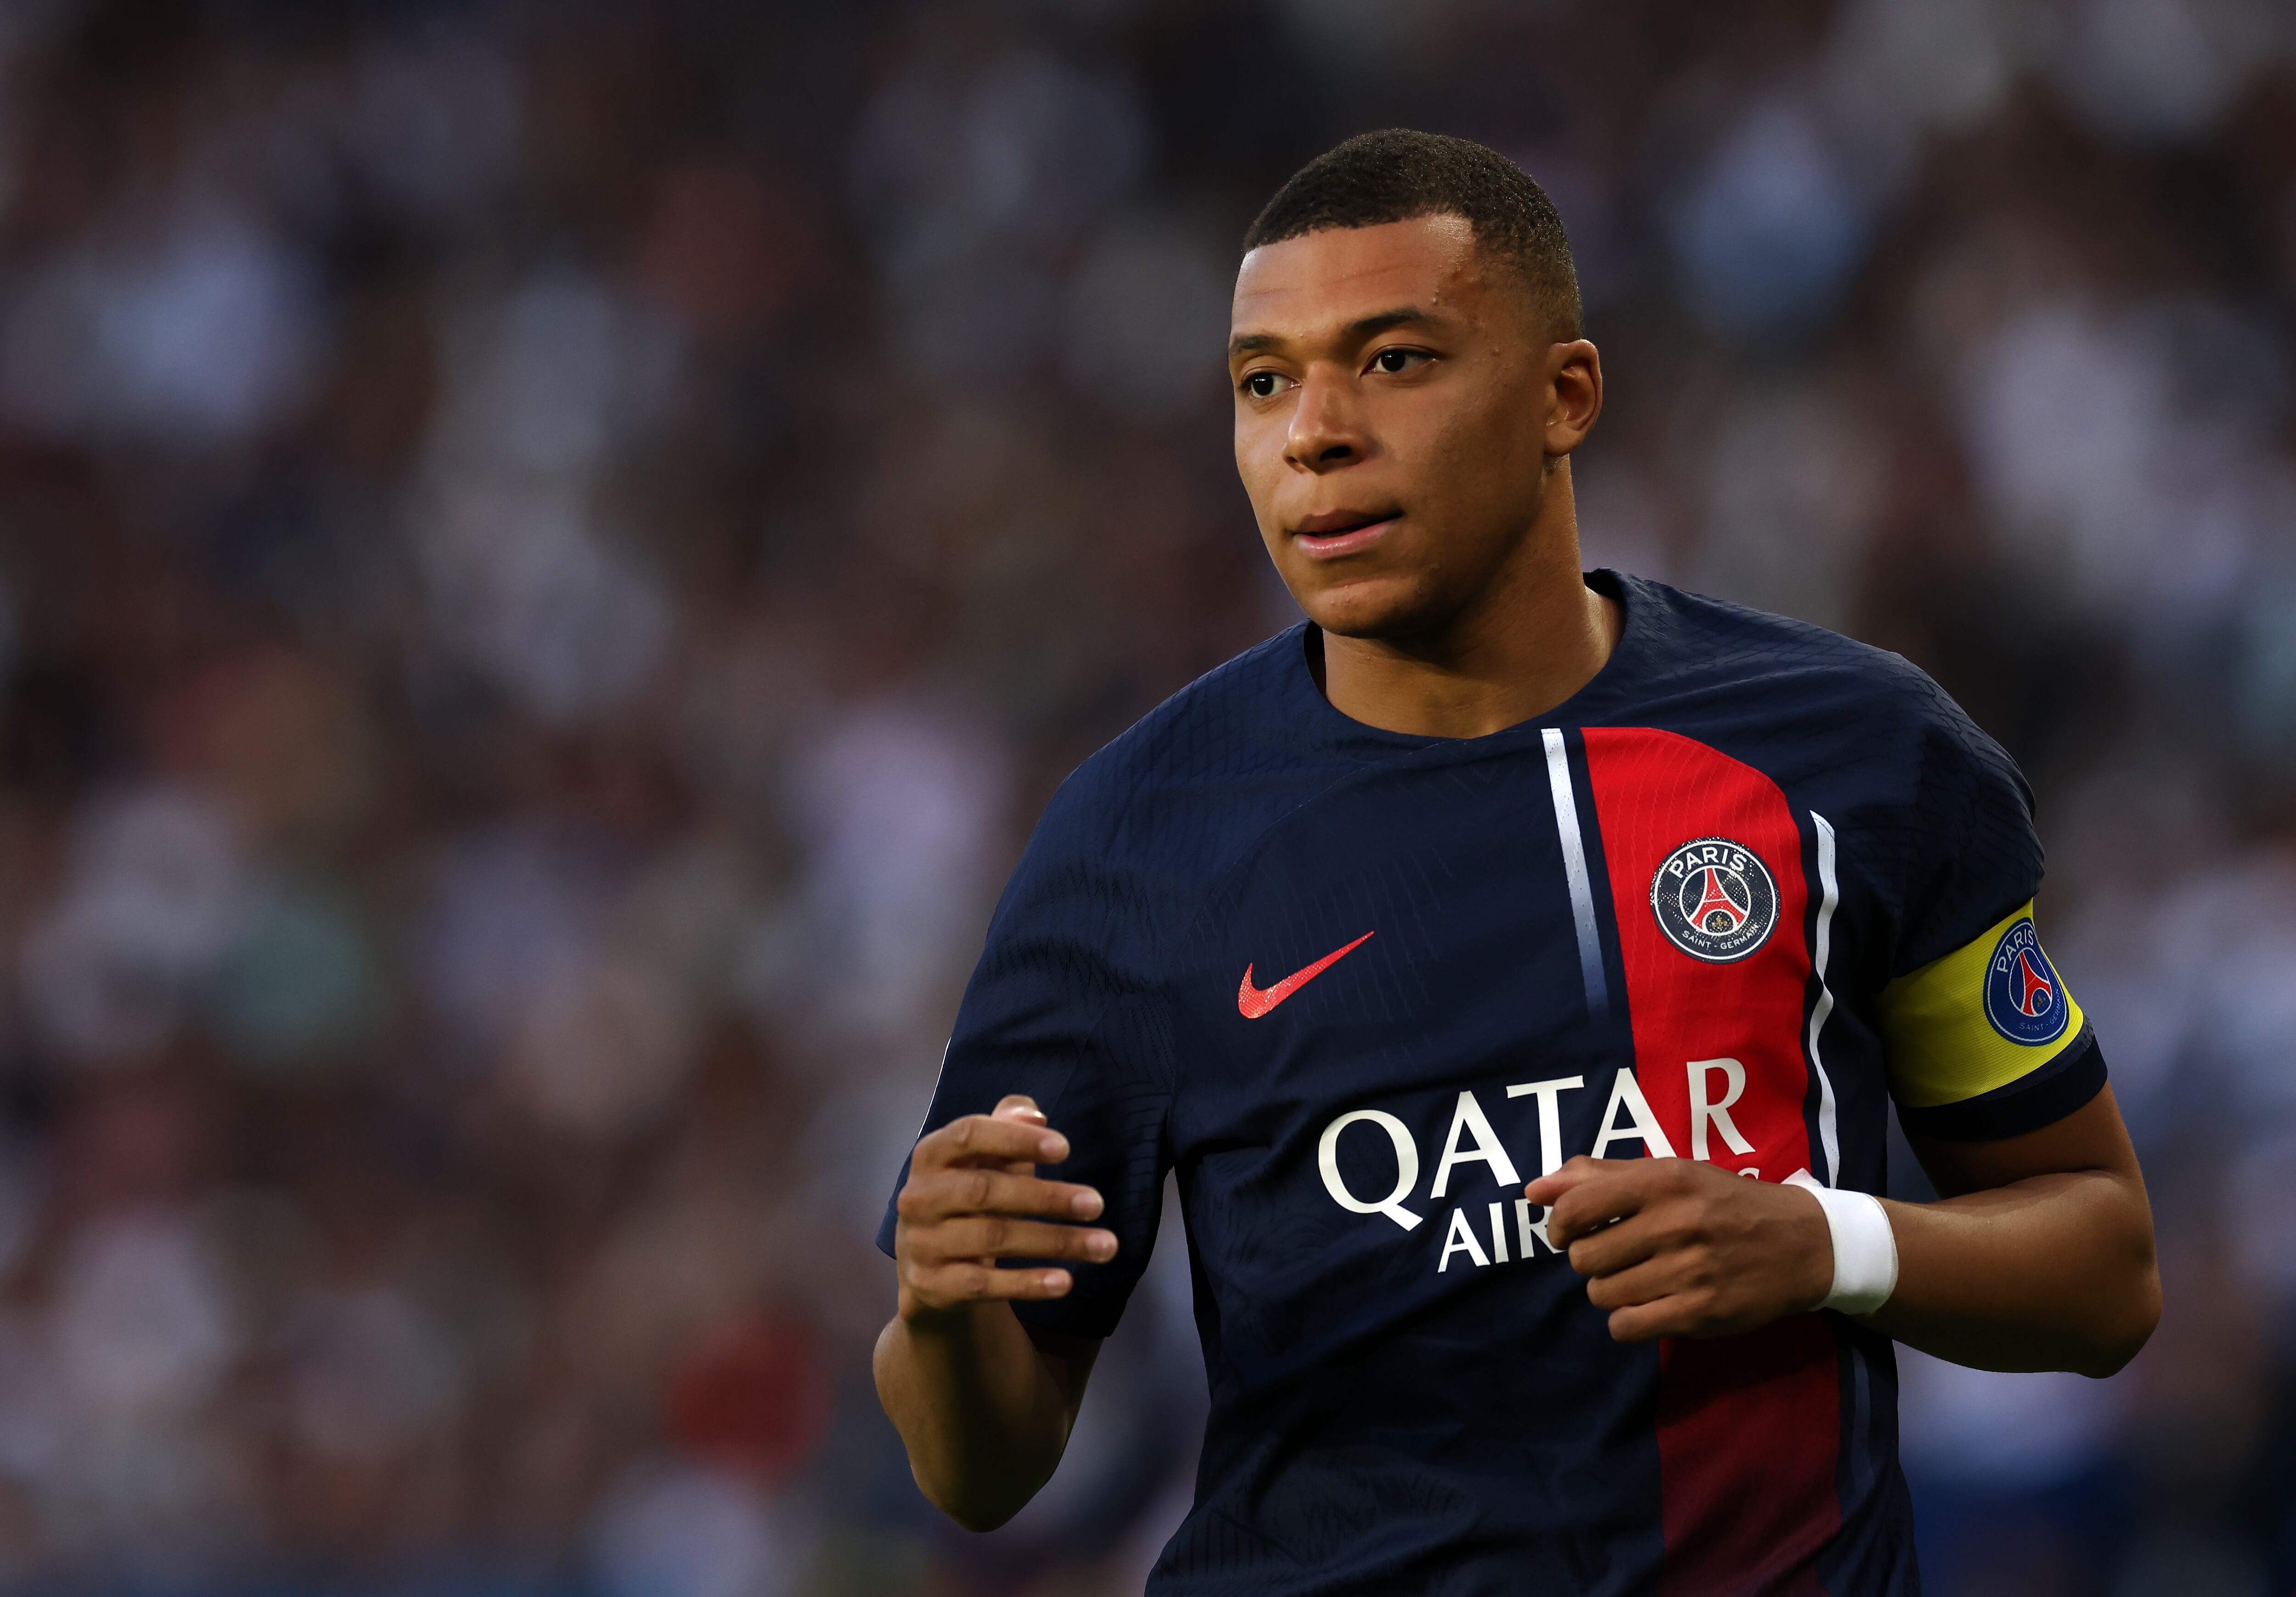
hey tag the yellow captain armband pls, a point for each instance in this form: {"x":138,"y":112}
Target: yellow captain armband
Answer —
{"x":1985,"y":1042}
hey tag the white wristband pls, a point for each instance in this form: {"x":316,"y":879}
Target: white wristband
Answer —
{"x":1864,"y":1248}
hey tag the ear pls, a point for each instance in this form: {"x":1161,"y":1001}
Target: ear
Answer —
{"x":1574,"y":394}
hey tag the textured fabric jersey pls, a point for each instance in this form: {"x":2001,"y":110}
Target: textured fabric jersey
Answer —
{"x":1357,"y":987}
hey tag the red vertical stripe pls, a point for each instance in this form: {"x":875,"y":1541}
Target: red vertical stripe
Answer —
{"x":1749,"y":1427}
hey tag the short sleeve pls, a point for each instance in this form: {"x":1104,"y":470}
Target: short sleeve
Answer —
{"x":1971,"y":851}
{"x":1066,"y":1006}
{"x":1981,"y":1037}
{"x":1987,"y":1042}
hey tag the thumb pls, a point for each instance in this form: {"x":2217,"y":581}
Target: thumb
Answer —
{"x":1020,"y":1106}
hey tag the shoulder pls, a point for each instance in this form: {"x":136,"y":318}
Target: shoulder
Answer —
{"x":1194,"y":759}
{"x":1136,"y":834}
{"x":1931,"y":813}
{"x":1803,"y":696}
{"x":1701,"y":643}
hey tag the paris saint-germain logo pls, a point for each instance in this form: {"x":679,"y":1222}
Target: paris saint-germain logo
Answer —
{"x":2024,"y":998}
{"x":1714,"y":899}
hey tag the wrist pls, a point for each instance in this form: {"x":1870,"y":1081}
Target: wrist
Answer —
{"x":1864,"y":1248}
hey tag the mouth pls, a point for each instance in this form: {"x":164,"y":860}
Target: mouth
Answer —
{"x":1338,"y":533}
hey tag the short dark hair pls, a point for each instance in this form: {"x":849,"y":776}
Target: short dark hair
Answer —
{"x":1398,"y":174}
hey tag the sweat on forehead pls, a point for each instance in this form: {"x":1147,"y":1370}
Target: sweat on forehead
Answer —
{"x":1398,"y":174}
{"x":1359,"y":282}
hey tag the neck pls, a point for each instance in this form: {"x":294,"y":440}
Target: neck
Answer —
{"x":1535,"y":635}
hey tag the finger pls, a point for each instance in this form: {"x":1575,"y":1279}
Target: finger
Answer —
{"x":1645,"y":1282}
{"x":1609,"y":1248}
{"x":983,"y":1138}
{"x":948,"y":1286}
{"x":1599,"y":1201}
{"x":937,"y":1195}
{"x":1649,"y":1322}
{"x":995,"y":1237}
{"x":1577,"y":1173}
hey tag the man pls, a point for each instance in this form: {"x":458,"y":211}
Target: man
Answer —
{"x":1574,"y":918}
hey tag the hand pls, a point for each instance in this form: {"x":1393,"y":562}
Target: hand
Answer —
{"x":974,"y":1198}
{"x":1677,"y":1247}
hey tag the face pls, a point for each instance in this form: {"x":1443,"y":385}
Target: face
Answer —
{"x":1398,"y":406}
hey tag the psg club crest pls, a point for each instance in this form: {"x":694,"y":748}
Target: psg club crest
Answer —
{"x":1714,"y":899}
{"x":2024,"y":999}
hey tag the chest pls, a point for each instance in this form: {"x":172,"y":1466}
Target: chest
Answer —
{"x":1611,"y":942}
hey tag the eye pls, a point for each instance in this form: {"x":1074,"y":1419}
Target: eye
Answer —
{"x":1396,"y":361}
{"x":1265,"y":384}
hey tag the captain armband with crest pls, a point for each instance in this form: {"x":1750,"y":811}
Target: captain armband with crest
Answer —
{"x":1987,"y":1042}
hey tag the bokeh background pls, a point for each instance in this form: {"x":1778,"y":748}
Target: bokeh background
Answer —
{"x":551,"y":552}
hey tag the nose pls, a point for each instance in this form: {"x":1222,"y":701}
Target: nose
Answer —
{"x":1325,"y":431}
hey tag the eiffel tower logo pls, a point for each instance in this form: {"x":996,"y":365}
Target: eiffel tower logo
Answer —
{"x":2034,"y":991}
{"x":1717,"y":912}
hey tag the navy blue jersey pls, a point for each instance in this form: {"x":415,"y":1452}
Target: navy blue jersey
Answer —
{"x":1357,"y":987}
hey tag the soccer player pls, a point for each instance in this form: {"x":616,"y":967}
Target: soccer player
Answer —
{"x":1516,"y":966}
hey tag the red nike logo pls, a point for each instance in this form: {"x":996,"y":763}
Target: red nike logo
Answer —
{"x":1255,"y":1002}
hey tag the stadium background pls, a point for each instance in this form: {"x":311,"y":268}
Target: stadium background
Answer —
{"x":550,"y":552}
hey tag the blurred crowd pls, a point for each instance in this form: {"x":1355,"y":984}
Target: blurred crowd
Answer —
{"x":551,"y":552}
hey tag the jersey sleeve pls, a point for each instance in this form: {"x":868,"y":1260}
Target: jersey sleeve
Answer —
{"x":1066,"y":1007}
{"x":1982,"y":1039}
{"x":1987,"y":1041}
{"x":1969,"y":850}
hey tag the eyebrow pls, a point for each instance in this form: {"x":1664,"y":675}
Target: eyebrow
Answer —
{"x":1370,"y":327}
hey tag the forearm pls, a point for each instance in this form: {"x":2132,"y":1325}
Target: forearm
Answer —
{"x":2054,"y":1272}
{"x":982,"y":1411}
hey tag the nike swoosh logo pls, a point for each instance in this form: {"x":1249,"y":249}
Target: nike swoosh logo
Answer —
{"x":1255,"y":1002}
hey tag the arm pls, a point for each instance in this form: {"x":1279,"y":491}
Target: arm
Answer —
{"x":984,"y":1406}
{"x":2039,"y":1256}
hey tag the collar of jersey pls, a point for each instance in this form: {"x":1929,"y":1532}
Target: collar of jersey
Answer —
{"x":1333,"y":728}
